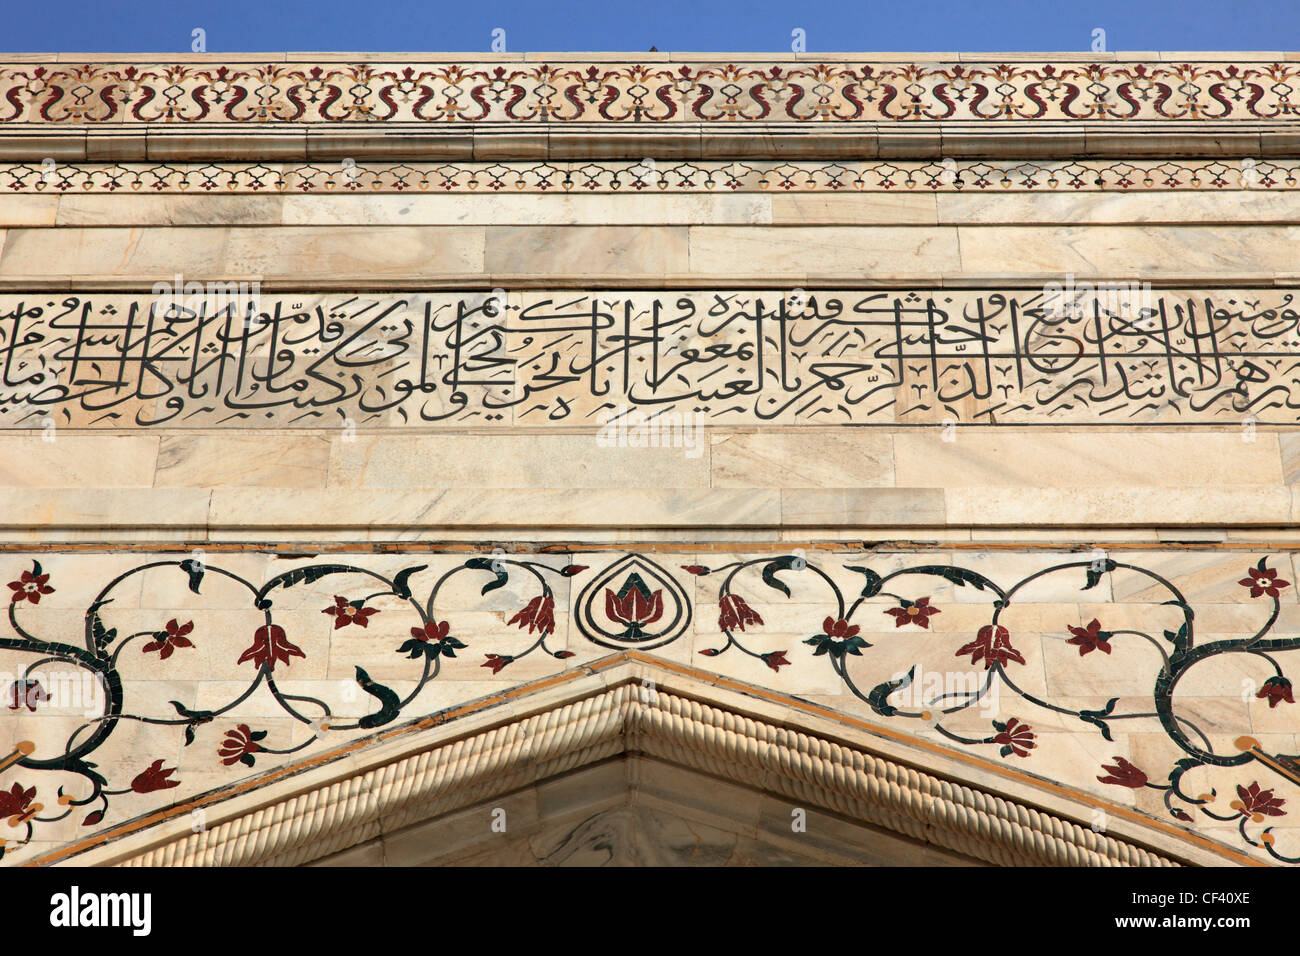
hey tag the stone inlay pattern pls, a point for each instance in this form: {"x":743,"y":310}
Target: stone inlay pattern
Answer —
{"x":1155,"y":680}
{"x":609,"y":176}
{"x":256,"y":93}
{"x":1121,"y":355}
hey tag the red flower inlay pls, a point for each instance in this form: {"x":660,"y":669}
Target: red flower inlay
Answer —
{"x":839,"y":629}
{"x":154,"y":777}
{"x":734,"y":613}
{"x":270,"y":645}
{"x":433,"y":631}
{"x":30,"y":586}
{"x":171,"y":637}
{"x":775,"y":660}
{"x":992,"y":645}
{"x":27,"y":692}
{"x":16,"y":805}
{"x":838,"y":638}
{"x":1256,"y":804}
{"x":496,"y":662}
{"x":1262,"y":580}
{"x":916,"y":612}
{"x":1276,"y":690}
{"x":635,"y":607}
{"x":347,"y":612}
{"x":1123,"y":774}
{"x":539,"y":613}
{"x":239,"y":745}
{"x":1090,"y":638}
{"x":1014,"y":737}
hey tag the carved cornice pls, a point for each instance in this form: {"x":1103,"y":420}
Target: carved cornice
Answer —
{"x":712,"y":107}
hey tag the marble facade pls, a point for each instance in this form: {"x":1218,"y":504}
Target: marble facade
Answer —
{"x":904,"y":449}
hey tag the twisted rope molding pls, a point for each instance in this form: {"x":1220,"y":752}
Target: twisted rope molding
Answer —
{"x":458,"y":774}
{"x":881,"y":791}
{"x":701,"y":736}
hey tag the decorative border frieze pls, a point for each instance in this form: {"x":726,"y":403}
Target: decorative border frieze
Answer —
{"x":650,"y":177}
{"x":1158,"y":677}
{"x":630,"y":93}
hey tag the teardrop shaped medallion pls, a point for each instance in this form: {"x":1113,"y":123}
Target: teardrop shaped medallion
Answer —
{"x":633,"y":603}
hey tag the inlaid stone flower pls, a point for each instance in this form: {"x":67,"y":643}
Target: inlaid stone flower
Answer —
{"x":16,"y":805}
{"x":1014,"y":737}
{"x":1275,"y":691}
{"x":992,"y":645}
{"x":27,"y":692}
{"x":775,"y":660}
{"x":635,"y":606}
{"x":538,"y":613}
{"x":172,"y":636}
{"x":916,"y":612}
{"x":431,"y":640}
{"x":734,"y":613}
{"x":270,"y":645}
{"x":347,"y":612}
{"x":239,"y":745}
{"x":1090,"y":638}
{"x":1256,"y":803}
{"x":1262,"y":580}
{"x":1123,"y":774}
{"x":496,"y":662}
{"x":838,"y":638}
{"x":30,"y":586}
{"x":154,"y":777}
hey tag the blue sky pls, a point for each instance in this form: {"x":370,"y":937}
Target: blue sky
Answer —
{"x":148,"y":26}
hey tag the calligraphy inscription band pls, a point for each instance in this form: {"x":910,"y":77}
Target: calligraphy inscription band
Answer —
{"x":230,"y":357}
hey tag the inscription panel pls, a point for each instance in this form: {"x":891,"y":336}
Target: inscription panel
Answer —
{"x":572,"y":359}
